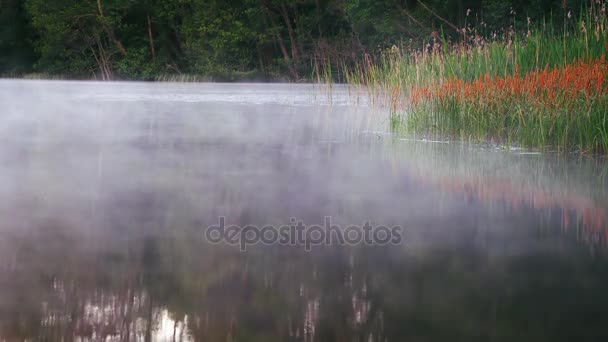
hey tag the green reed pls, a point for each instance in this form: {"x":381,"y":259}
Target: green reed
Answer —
{"x":581,"y":125}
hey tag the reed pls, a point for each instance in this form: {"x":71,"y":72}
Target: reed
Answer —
{"x":542,"y":87}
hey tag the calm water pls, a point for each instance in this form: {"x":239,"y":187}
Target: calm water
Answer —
{"x":106,"y":190}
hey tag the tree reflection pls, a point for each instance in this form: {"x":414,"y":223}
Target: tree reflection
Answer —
{"x":171,"y":286}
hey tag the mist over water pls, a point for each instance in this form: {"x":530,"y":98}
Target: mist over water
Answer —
{"x":106,"y":190}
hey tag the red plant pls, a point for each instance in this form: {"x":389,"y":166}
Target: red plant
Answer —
{"x":555,"y":87}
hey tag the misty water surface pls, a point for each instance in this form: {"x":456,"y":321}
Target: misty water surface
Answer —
{"x":106,"y":189}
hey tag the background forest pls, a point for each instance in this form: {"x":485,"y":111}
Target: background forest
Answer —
{"x":240,"y":39}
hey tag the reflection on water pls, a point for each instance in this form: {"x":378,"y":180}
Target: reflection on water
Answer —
{"x":574,"y":186}
{"x":105,"y":192}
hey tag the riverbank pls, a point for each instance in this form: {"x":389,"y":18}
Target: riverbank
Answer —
{"x":240,"y":77}
{"x":542,"y":88}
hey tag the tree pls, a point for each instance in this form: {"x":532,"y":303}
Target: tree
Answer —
{"x":78,"y":37}
{"x":16,"y":52}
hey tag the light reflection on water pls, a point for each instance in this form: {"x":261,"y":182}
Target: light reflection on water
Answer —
{"x":105,"y":190}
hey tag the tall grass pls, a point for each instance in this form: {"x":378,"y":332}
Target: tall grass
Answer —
{"x":542,"y":87}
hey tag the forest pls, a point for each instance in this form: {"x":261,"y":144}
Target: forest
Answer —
{"x":226,"y":40}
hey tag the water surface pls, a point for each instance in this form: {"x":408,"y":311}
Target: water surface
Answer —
{"x":106,"y":189}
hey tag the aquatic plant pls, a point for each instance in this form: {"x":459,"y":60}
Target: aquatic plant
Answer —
{"x":536,"y":87}
{"x":560,"y":107}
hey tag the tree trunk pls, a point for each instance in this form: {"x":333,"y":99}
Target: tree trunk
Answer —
{"x":277,"y":36}
{"x":292,"y":36}
{"x":102,"y":61}
{"x":318,"y":13}
{"x":439,"y":17}
{"x":150,"y":37}
{"x":290,"y":66}
{"x":110,"y":31}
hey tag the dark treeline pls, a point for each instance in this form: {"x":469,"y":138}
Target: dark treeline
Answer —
{"x":236,"y":39}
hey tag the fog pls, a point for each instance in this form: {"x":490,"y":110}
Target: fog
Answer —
{"x":106,"y":190}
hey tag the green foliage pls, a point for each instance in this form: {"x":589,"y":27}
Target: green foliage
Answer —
{"x":564,"y":123}
{"x":220,"y":38}
{"x":138,"y":64}
{"x":144,"y":39}
{"x":16,"y":52}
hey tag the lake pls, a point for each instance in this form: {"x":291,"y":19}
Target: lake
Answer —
{"x":108,"y":192}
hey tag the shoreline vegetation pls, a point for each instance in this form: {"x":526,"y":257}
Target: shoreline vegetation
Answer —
{"x":539,"y":88}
